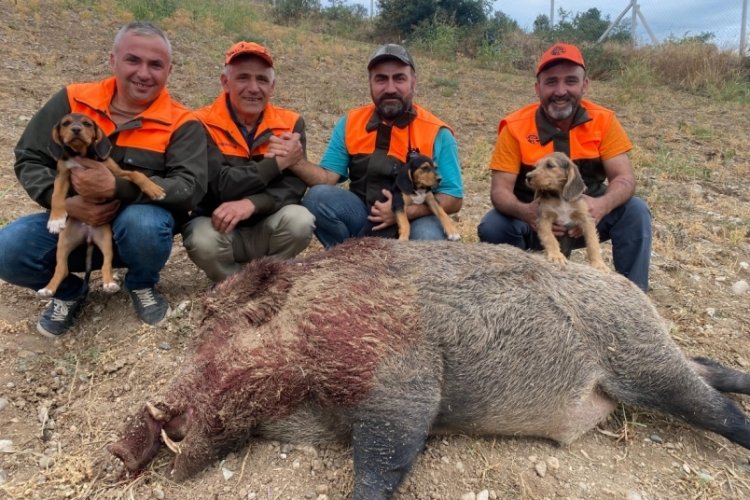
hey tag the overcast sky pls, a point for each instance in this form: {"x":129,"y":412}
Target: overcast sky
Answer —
{"x":665,"y":17}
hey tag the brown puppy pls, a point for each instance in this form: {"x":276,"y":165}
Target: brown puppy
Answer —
{"x":78,"y":135}
{"x":559,"y":187}
{"x":413,"y":186}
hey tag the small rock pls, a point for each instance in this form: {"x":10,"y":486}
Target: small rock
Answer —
{"x":3,"y":404}
{"x":468,"y":496}
{"x":322,"y":497}
{"x":656,"y":438}
{"x":711,"y":312}
{"x":493,"y":495}
{"x":3,"y":476}
{"x":553,"y":463}
{"x":705,"y":476}
{"x":46,"y":462}
{"x":321,"y":489}
{"x":541,"y":468}
{"x":634,"y":495}
{"x":6,"y":446}
{"x":157,"y":493}
{"x":226,"y":473}
{"x":483,"y":495}
{"x":740,"y":287}
{"x":165,"y":346}
{"x":460,"y":466}
{"x":744,"y":265}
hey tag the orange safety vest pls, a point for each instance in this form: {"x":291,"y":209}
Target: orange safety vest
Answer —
{"x":227,"y":136}
{"x":151,"y":131}
{"x":377,"y":150}
{"x":584,"y":143}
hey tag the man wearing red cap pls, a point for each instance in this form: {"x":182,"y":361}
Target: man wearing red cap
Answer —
{"x":593,"y":138}
{"x":368,"y":147}
{"x":252,"y":206}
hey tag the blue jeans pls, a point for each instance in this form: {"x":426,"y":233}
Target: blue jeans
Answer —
{"x":143,"y":241}
{"x":341,"y":214}
{"x":628,"y":226}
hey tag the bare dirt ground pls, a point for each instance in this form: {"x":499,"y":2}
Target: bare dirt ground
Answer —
{"x":62,"y":401}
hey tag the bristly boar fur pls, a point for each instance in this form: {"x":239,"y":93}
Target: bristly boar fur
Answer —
{"x":380,"y":343}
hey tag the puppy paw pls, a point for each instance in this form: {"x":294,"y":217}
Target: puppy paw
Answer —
{"x":56,"y":225}
{"x":155,"y":193}
{"x":454,"y":237}
{"x":558,"y":259}
{"x":601,"y":266}
{"x":111,"y":287}
{"x":45,"y":293}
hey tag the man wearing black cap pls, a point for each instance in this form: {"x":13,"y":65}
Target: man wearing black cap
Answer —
{"x":593,"y":138}
{"x":368,"y":146}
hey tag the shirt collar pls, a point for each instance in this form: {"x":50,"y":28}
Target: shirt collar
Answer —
{"x":547,"y":130}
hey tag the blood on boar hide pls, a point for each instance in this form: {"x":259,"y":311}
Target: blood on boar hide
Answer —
{"x":380,"y":343}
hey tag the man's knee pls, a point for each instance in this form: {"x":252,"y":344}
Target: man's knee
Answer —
{"x":297,"y":221}
{"x":495,"y":228}
{"x":149,"y":225}
{"x":200,"y":239}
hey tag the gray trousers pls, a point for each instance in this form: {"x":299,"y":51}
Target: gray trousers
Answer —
{"x":282,"y":234}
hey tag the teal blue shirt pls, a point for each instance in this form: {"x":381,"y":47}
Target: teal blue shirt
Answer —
{"x":336,"y":159}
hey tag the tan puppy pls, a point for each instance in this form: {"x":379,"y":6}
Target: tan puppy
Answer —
{"x":413,"y":186}
{"x":559,"y":187}
{"x":78,"y":135}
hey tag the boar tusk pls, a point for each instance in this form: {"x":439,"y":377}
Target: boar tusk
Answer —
{"x":156,"y":413}
{"x":170,"y":444}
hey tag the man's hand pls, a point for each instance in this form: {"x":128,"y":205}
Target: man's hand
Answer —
{"x":93,"y":180}
{"x":286,"y":148}
{"x":382,"y":213}
{"x":89,"y":212}
{"x":226,"y":217}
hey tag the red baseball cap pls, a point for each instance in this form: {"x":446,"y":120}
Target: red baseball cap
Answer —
{"x":251,"y":48}
{"x":560,"y":52}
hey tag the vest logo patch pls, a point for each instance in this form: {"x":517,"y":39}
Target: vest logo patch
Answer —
{"x":532,"y":139}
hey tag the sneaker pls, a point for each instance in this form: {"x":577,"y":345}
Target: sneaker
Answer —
{"x":59,"y":316}
{"x":150,"y":305}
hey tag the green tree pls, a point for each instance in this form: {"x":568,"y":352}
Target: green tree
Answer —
{"x":401,"y":17}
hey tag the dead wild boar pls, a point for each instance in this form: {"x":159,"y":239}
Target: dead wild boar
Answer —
{"x":380,"y":343}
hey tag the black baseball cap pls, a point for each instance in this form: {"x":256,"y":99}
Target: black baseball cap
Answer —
{"x":390,"y":51}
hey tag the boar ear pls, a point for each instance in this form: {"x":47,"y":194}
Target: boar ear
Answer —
{"x":575,"y":186}
{"x":177,"y":428}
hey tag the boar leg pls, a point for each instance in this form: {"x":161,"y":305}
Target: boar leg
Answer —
{"x":674,"y":387}
{"x":722,"y":378}
{"x":389,"y":431}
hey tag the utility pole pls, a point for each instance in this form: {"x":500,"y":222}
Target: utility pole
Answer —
{"x":551,"y":13}
{"x":743,"y":32}
{"x":636,"y":14}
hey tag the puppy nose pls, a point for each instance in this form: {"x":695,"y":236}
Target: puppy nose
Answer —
{"x":75,"y":130}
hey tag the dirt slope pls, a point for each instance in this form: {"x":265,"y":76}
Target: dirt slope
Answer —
{"x":62,"y":401}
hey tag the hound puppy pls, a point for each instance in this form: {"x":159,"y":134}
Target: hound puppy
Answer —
{"x":414,"y":184}
{"x":559,"y":187}
{"x":78,"y":135}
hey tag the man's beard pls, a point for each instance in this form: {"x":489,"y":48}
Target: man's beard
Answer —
{"x":556,"y":113}
{"x":391,"y":106}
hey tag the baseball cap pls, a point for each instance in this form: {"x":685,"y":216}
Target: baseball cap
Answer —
{"x":560,"y":52}
{"x":252,"y":48}
{"x":390,"y":51}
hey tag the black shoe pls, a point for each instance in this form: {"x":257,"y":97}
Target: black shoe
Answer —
{"x":59,"y":316}
{"x":150,"y":305}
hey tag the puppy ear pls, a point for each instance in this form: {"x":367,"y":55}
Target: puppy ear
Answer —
{"x":55,"y":146}
{"x":575,"y":186}
{"x":102,"y":145}
{"x":404,"y":180}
